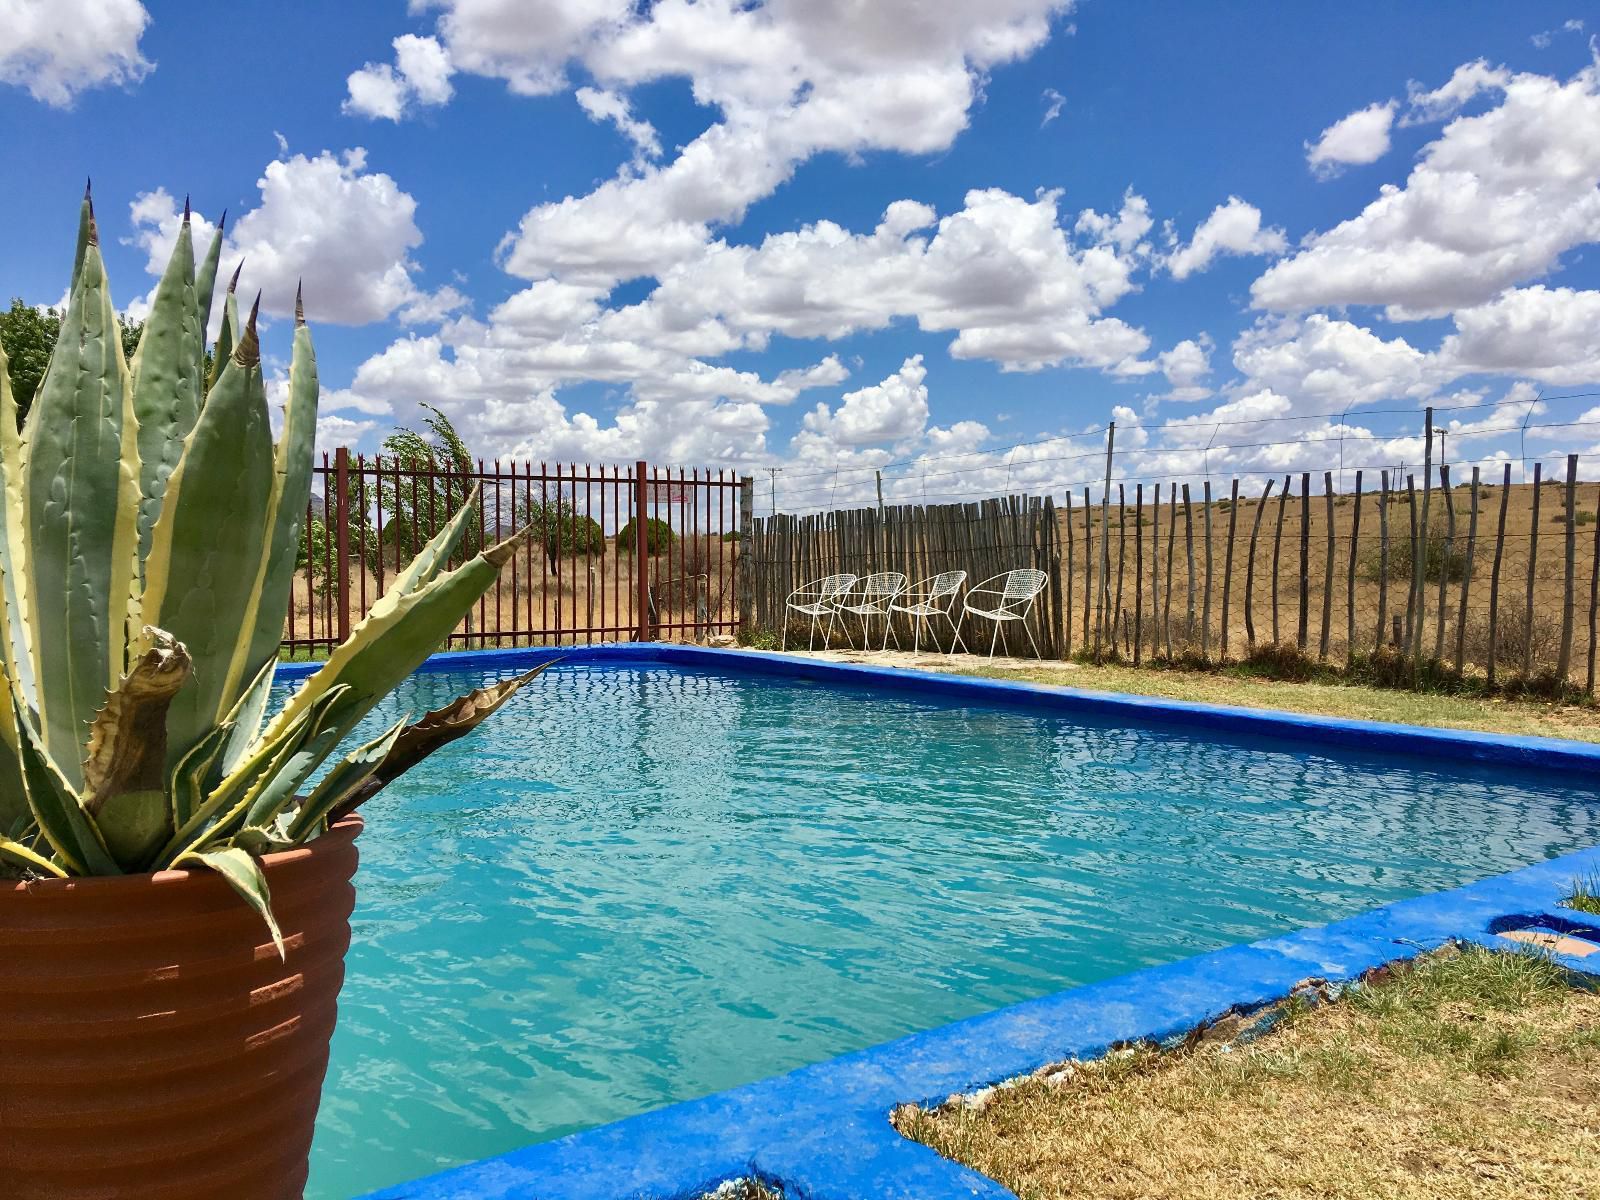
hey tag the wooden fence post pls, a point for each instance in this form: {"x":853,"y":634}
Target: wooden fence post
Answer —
{"x":1067,"y":613}
{"x":341,"y":567}
{"x":1417,"y":554}
{"x":1449,"y":556}
{"x":1305,"y":561}
{"x":1188,"y":548}
{"x":1205,"y":618}
{"x":1419,"y":551}
{"x":1327,"y":566}
{"x":1533,"y":569}
{"x":1172,"y":542}
{"x":1250,"y":571}
{"x":1494,"y":577}
{"x":1466,"y":576}
{"x":1138,"y":570}
{"x":1350,"y":586}
{"x":1383,"y":561}
{"x":1277,"y":552}
{"x":1227,"y":564}
{"x":1564,"y":662}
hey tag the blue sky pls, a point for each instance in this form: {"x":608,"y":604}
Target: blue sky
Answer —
{"x":596,"y":230}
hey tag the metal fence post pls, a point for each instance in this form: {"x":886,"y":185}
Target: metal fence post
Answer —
{"x":743,"y":568}
{"x":341,"y":512}
{"x":641,"y":550}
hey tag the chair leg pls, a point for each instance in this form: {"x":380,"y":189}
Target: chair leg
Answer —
{"x":1031,"y":642}
{"x":811,"y":640}
{"x":888,"y":631}
{"x":1005,"y":639}
{"x":995,"y":637}
{"x":916,"y":637}
{"x":784,"y":644}
{"x":955,"y":637}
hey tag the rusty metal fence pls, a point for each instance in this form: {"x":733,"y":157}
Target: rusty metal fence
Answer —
{"x":615,"y":553}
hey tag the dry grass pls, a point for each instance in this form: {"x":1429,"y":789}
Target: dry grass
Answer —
{"x":1445,"y":561}
{"x":1475,"y":1076}
{"x":1234,"y":686}
{"x":574,"y":591}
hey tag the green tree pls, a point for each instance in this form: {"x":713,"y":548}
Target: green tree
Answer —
{"x":438,"y":463}
{"x":28,"y":335}
{"x":658,"y":536}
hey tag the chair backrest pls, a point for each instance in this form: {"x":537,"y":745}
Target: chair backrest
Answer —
{"x":1023,"y":583}
{"x":834,"y":585}
{"x":884,"y":583}
{"x":945,"y":583}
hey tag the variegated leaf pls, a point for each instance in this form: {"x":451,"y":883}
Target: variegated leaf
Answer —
{"x":82,"y":540}
{"x":245,"y":876}
{"x":201,"y":571}
{"x":436,"y":729}
{"x":166,"y":379}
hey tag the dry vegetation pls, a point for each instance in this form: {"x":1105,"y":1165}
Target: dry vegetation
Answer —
{"x":572,"y":591}
{"x":1474,"y":1076}
{"x":1444,"y":563}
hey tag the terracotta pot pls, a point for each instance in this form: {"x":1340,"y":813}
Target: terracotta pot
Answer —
{"x":153,"y":1045}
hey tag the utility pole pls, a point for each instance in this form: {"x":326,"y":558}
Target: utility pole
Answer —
{"x":773,"y":472}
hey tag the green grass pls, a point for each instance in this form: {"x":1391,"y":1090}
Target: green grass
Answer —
{"x":1585,"y":895}
{"x":1327,"y":696}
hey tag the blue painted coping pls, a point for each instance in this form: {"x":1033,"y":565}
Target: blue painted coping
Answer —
{"x":822,"y":1132}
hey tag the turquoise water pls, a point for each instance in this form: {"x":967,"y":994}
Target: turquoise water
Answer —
{"x":639,"y":885}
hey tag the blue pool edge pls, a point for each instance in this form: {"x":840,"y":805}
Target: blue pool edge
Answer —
{"x":822,"y":1131}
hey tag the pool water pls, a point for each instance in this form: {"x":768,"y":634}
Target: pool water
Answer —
{"x":639,"y":884}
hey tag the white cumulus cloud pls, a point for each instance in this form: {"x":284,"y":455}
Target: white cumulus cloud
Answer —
{"x":58,"y":48}
{"x":420,"y":75}
{"x":1233,"y":227}
{"x":1361,"y":137}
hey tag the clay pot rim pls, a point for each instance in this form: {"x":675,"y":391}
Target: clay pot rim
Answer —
{"x":339,"y":835}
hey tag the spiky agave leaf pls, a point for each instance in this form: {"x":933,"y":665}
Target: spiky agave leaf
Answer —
{"x":15,"y":854}
{"x":202,"y":569}
{"x":261,"y":629}
{"x":435,"y":729}
{"x":166,"y":379}
{"x":70,"y":832}
{"x":400,"y":631}
{"x":82,"y":538}
{"x":228,"y":332}
{"x":14,"y":640}
{"x":205,"y":282}
{"x":340,"y":783}
{"x":244,"y":875}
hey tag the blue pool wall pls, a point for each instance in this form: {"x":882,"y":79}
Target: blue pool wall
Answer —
{"x":822,"y":1132}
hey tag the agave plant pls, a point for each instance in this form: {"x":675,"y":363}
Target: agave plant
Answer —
{"x":147,"y":547}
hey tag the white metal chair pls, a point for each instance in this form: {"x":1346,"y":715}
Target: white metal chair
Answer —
{"x":817,"y":599}
{"x":870,"y":598}
{"x":932,"y":597}
{"x":1008,"y":597}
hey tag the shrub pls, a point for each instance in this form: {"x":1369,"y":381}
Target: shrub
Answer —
{"x":658,"y":536}
{"x":1441,"y":560}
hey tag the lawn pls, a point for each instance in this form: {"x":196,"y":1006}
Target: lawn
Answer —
{"x":1474,"y":1076}
{"x":1234,"y":686}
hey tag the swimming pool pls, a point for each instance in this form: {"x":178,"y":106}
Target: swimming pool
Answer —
{"x":641,"y":883}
